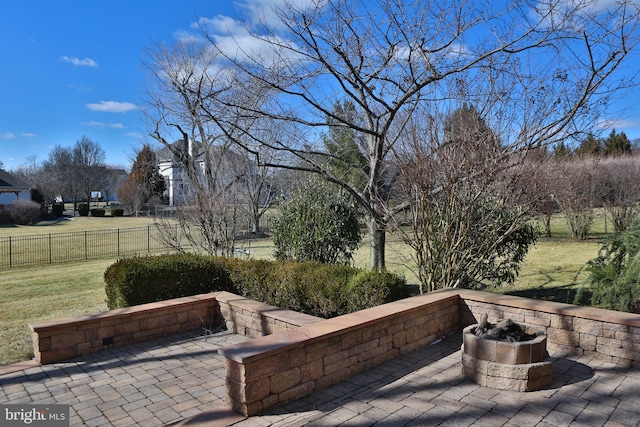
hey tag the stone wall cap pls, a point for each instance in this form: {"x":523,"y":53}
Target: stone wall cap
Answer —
{"x":591,"y":313}
{"x":269,"y":345}
{"x":66,"y":322}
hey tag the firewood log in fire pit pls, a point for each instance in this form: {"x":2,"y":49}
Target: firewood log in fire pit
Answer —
{"x":504,"y":329}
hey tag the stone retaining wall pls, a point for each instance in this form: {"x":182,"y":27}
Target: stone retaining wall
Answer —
{"x":61,"y":339}
{"x":609,"y":335}
{"x":70,"y":337}
{"x":295,"y":354}
{"x":254,"y":319}
{"x":281,"y":367}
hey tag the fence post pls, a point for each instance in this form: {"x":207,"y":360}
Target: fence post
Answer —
{"x":50,"y":256}
{"x":86,"y":250}
{"x":118,"y":242}
{"x":148,"y":239}
{"x":10,"y":253}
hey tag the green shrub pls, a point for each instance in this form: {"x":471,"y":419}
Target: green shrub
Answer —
{"x":318,"y":222}
{"x":83,"y":209}
{"x":57,"y":209}
{"x":252,"y":278}
{"x":97,"y":212}
{"x":140,"y":280}
{"x":323,"y":290}
{"x":614,"y":276}
{"x":117,"y":212}
{"x":371,"y":288}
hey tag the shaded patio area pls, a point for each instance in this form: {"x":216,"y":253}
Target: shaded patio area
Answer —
{"x":182,"y":379}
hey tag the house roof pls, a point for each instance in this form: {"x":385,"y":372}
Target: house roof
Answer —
{"x":10,"y":182}
{"x":178,"y":150}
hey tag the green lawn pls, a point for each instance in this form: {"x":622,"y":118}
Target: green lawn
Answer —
{"x":47,"y":292}
{"x":552,"y":271}
{"x":78,"y":223}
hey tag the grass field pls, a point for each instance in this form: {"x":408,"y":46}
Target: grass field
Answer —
{"x":78,"y":223}
{"x":552,"y":271}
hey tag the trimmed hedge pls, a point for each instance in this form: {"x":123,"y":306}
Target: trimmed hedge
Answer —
{"x":117,"y":212}
{"x":97,"y":212}
{"x":322,"y":290}
{"x":83,"y":209}
{"x":140,"y":280}
{"x":57,"y":209}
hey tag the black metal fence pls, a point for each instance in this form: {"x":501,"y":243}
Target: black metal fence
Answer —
{"x":21,"y":251}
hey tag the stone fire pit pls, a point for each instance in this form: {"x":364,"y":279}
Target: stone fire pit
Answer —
{"x":506,"y":356}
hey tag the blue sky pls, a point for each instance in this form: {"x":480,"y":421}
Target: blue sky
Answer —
{"x":72,"y":68}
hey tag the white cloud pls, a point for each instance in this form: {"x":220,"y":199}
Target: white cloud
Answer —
{"x":242,"y":42}
{"x":617,"y":123}
{"x":28,"y":135}
{"x":86,"y":62}
{"x":266,"y":10}
{"x":8,"y":135}
{"x":220,"y":25}
{"x":112,"y":107}
{"x":576,"y":14}
{"x":104,"y":125}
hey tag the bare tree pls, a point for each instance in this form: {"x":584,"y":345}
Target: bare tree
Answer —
{"x":59,"y":168}
{"x":471,"y":200}
{"x":257,"y":188}
{"x":33,"y":173}
{"x":182,"y":78}
{"x":115,"y":177}
{"x":575,"y":190}
{"x":131,"y":194}
{"x":619,"y":190}
{"x":89,"y":167}
{"x":541,"y":71}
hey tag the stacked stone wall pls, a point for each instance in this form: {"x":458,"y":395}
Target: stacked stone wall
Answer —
{"x":295,"y":354}
{"x":255,"y":319}
{"x":275,"y":369}
{"x":62,"y":339}
{"x":571,"y":330}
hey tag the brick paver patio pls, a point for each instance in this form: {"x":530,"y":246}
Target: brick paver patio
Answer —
{"x":165,"y":381}
{"x":153,"y":383}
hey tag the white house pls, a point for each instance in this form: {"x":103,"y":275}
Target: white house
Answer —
{"x":171,"y":161}
{"x":230,"y":167}
{"x":12,"y":189}
{"x":170,"y":166}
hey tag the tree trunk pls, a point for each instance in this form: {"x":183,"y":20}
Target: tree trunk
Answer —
{"x":547,"y":225}
{"x":377,"y":233}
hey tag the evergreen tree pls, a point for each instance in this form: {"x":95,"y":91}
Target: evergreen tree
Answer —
{"x":146,"y":173}
{"x":590,"y":146}
{"x":616,"y":144}
{"x":144,"y":181}
{"x":561,"y":150}
{"x":341,"y":142}
{"x":466,"y":126}
{"x":615,"y":274}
